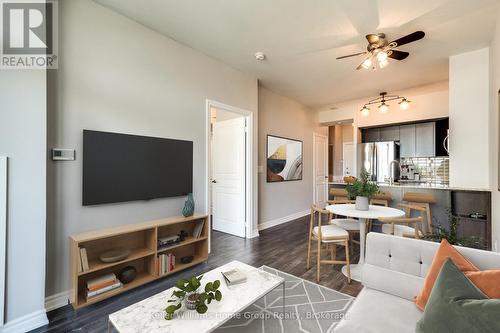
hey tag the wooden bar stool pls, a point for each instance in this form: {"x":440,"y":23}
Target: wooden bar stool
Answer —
{"x":329,"y":234}
{"x":338,"y":193}
{"x":422,"y":199}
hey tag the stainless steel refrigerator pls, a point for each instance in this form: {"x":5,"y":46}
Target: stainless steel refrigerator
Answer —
{"x":376,"y":158}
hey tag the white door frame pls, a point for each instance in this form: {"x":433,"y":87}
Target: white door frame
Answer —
{"x":250,"y":168}
{"x":315,"y":135}
{"x":3,"y":233}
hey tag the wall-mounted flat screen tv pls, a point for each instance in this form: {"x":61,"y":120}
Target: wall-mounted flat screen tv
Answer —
{"x":124,"y":167}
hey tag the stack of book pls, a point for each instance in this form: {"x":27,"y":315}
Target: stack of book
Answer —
{"x":101,"y":285}
{"x":198,"y":228}
{"x":166,"y":263}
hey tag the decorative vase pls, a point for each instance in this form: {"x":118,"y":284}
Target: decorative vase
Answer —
{"x":127,"y":274}
{"x":188,"y":209}
{"x":362,"y":203}
{"x":191,"y":300}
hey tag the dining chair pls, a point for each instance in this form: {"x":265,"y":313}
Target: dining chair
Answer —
{"x":328,"y":234}
{"x":379,"y":199}
{"x":349,"y":224}
{"x":407,"y":226}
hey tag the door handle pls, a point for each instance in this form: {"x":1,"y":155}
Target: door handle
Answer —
{"x":214,"y":181}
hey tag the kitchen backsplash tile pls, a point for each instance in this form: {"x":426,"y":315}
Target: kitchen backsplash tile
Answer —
{"x":433,"y":170}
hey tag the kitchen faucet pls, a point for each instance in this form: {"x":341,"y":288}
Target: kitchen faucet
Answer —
{"x":392,"y":172}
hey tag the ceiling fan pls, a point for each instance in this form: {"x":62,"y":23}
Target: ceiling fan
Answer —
{"x":380,"y":49}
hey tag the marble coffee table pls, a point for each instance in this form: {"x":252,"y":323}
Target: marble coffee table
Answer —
{"x":148,"y":315}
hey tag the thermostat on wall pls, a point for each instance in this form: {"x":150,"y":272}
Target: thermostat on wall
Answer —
{"x":59,"y":154}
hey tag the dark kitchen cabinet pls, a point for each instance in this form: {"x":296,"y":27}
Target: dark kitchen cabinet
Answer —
{"x":390,"y":133}
{"x":371,"y":135}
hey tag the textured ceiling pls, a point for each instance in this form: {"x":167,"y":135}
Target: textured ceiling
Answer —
{"x":302,"y":38}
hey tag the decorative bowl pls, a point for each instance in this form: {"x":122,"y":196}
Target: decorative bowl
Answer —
{"x":114,"y":255}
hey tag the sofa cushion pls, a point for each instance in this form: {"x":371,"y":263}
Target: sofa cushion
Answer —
{"x":444,"y":252}
{"x":374,"y":311}
{"x":457,"y":305}
{"x":399,"y":284}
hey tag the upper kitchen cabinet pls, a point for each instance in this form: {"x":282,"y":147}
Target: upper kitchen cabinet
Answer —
{"x":371,"y":135}
{"x":425,"y":139}
{"x":390,"y":133}
{"x":442,"y":127}
{"x":407,"y":137}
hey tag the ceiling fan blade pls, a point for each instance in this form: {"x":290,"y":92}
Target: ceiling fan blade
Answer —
{"x":351,"y":55}
{"x":398,"y":55}
{"x":409,"y":38}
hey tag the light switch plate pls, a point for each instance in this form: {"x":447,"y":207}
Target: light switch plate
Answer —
{"x":59,"y":154}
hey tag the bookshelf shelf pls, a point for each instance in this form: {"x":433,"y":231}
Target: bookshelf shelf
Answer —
{"x":142,"y":240}
{"x":187,"y":241}
{"x":96,"y":265}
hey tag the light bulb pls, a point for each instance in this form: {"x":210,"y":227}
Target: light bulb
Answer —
{"x":367,"y":63}
{"x":365,"y":111}
{"x":382,"y":56}
{"x":384,"y":108}
{"x":383,"y":63}
{"x":404,"y":104}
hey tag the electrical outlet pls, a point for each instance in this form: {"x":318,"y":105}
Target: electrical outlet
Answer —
{"x":260,"y":169}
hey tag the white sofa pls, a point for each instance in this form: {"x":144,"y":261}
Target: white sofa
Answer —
{"x":393,"y":275}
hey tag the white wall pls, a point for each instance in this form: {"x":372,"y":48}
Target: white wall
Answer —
{"x":23,"y":139}
{"x":494,"y":134}
{"x":469,"y":120}
{"x":428,"y":102}
{"x":119,"y":76}
{"x":282,"y":116}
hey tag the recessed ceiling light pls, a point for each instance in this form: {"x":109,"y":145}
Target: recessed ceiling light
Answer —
{"x":260,"y":56}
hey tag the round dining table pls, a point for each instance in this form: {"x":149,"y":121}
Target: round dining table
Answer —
{"x":373,"y":213}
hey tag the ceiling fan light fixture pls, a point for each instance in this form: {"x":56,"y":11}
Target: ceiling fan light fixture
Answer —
{"x":367,"y":64}
{"x":383,"y":108}
{"x":404,"y":104}
{"x":382,"y":56}
{"x":383,"y":63}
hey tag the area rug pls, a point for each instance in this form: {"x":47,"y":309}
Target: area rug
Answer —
{"x":309,"y":308}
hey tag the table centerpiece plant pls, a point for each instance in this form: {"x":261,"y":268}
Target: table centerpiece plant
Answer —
{"x":188,"y":293}
{"x":362,"y":190}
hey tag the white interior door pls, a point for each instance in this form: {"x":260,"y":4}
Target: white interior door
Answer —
{"x":348,"y":159}
{"x":228,"y":176}
{"x":320,"y":157}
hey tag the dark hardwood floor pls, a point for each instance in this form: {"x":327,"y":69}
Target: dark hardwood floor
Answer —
{"x":283,"y":247}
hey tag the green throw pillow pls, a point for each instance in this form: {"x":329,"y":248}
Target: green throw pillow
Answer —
{"x":457,"y":305}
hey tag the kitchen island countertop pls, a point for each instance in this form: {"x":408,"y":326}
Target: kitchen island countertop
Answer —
{"x":421,"y":186}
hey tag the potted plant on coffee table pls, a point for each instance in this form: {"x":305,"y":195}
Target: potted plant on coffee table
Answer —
{"x":362,"y":189}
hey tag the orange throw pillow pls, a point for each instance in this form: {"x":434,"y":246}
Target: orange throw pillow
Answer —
{"x":487,"y":281}
{"x":444,"y":252}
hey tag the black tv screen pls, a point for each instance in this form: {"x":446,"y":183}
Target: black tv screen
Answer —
{"x":123,"y":167}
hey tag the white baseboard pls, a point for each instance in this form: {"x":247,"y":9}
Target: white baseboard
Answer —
{"x":255,"y":233}
{"x":58,"y":300}
{"x":284,"y":219}
{"x":26,"y":323}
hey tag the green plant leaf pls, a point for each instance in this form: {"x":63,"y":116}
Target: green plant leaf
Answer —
{"x":202,"y":298}
{"x":208,"y":287}
{"x":209,"y":300}
{"x":169,"y":316}
{"x":216,"y":285}
{"x":201,"y":308}
{"x":195,"y":283}
{"x":181,"y":283}
{"x":218,"y":295}
{"x":179,"y":293}
{"x":171,"y":308}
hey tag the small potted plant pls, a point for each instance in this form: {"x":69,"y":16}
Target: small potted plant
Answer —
{"x":362,"y":190}
{"x":188,"y":293}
